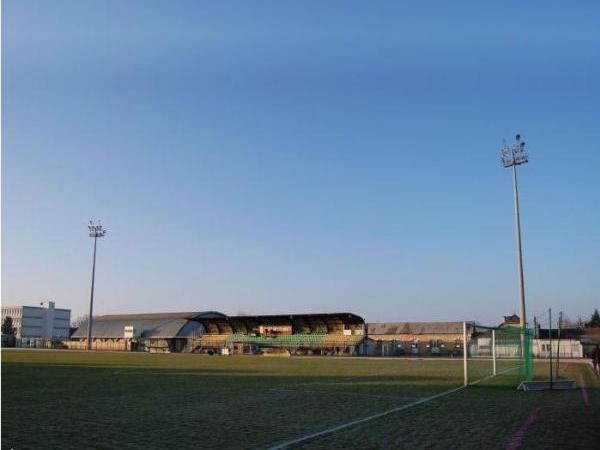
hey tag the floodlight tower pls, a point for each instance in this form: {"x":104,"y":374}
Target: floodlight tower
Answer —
{"x":512,"y":157}
{"x":96,"y":231}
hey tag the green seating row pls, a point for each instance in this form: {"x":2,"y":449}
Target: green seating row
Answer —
{"x":286,"y":340}
{"x":292,"y":340}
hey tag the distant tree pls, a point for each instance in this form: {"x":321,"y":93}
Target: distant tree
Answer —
{"x":570,"y":323}
{"x":595,"y":320}
{"x":80,"y":321}
{"x":7,"y":326}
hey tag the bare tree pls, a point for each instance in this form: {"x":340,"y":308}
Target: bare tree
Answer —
{"x":80,"y":321}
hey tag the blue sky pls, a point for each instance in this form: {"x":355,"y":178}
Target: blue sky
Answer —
{"x":274,"y":157}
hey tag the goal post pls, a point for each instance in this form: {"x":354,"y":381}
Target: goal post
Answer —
{"x":493,"y":352}
{"x":465,"y":355}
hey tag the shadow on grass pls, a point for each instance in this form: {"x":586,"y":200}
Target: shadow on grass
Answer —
{"x":73,"y":402}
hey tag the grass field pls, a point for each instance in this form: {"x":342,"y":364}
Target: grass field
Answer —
{"x":62,"y":399}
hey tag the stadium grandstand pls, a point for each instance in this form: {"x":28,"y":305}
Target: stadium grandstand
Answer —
{"x":300,"y":334}
{"x":214,"y":332}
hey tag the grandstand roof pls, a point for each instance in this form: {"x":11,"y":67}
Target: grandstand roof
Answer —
{"x":565,"y":333}
{"x":275,"y":317}
{"x":154,"y":325}
{"x":415,"y":328}
{"x":162,"y":316}
{"x":309,"y":321}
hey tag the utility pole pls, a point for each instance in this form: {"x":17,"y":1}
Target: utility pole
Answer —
{"x":96,"y":232}
{"x":512,"y":157}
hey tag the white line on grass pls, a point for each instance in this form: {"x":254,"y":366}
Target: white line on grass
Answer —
{"x":310,"y":436}
{"x":584,"y":394}
{"x":502,"y":372}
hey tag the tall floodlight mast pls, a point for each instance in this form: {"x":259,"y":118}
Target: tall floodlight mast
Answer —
{"x":96,"y":231}
{"x":512,"y":157}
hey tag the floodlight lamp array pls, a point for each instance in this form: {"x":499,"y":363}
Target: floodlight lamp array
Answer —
{"x":96,"y":230}
{"x":515,"y":155}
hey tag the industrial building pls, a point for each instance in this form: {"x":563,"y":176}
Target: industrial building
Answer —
{"x":414,"y":338}
{"x":214,"y":332}
{"x":34,"y":324}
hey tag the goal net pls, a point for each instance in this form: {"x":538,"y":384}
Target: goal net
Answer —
{"x":497,"y":355}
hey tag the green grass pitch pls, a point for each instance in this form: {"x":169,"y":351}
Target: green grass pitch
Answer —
{"x":62,"y":399}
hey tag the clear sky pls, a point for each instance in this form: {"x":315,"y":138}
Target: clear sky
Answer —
{"x":278,"y":156}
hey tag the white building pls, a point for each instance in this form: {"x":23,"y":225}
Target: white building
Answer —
{"x":568,"y":348}
{"x":39,"y":322}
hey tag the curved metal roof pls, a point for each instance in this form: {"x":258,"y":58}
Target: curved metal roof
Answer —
{"x":195,"y":315}
{"x":158,"y":325}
